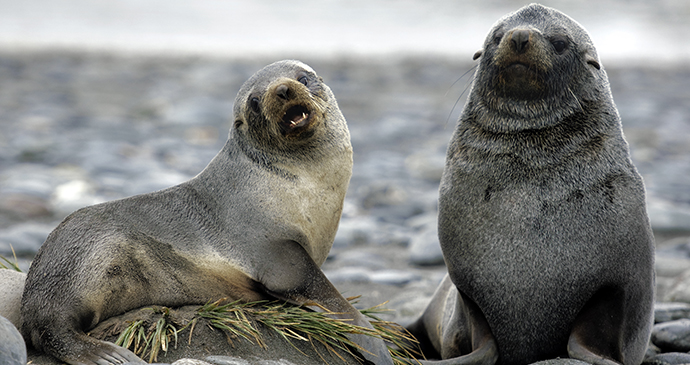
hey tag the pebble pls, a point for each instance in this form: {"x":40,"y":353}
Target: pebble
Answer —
{"x":669,"y":358}
{"x":12,"y":347}
{"x":11,"y":287}
{"x":673,"y":335}
{"x":24,"y":238}
{"x":425,"y":248}
{"x":666,"y":312}
{"x":679,"y":291}
{"x":561,"y":362}
{"x":667,"y":265}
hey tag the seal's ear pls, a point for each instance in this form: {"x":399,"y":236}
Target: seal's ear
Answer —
{"x":477,"y":54}
{"x":238,"y":123}
{"x":593,"y":61}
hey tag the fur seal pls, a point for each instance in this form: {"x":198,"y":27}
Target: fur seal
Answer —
{"x":255,"y":224}
{"x":542,"y":217}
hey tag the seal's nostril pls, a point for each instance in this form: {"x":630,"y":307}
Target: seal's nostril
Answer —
{"x":520,"y":39}
{"x":282,"y":91}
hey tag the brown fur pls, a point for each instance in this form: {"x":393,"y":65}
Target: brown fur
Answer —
{"x":255,"y":224}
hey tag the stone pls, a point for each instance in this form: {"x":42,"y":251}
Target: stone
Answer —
{"x":669,"y":358}
{"x":561,"y":362}
{"x":425,"y":249}
{"x":393,"y":277}
{"x":12,"y":347}
{"x":11,"y":289}
{"x":679,"y":291}
{"x":670,"y":266}
{"x":672,"y":336}
{"x":665,"y":312}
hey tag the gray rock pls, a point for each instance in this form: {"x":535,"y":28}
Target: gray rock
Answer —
{"x":665,"y":312}
{"x":666,"y":265}
{"x":11,"y":289}
{"x":561,"y":362}
{"x":669,"y":358}
{"x":227,"y":360}
{"x":190,"y":362}
{"x":24,"y":238}
{"x":354,"y":231}
{"x":425,"y":248}
{"x":359,"y":258}
{"x":393,"y":277}
{"x":348,"y":275}
{"x":672,"y":336}
{"x":668,"y":216}
{"x":12,"y":347}
{"x":679,"y":291}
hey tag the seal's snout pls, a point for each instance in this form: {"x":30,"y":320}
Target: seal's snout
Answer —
{"x":520,"y":39}
{"x":283,"y":92}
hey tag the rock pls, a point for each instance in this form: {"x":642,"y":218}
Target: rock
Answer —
{"x":672,"y":336}
{"x":666,"y":312}
{"x":679,"y":291}
{"x":561,"y":362}
{"x":670,"y":266}
{"x":190,"y":362}
{"x":393,"y":277}
{"x":425,"y":248}
{"x":12,"y":347}
{"x":348,"y":275}
{"x":11,"y":289}
{"x":669,"y":358}
{"x":214,"y":346}
{"x":426,"y":165}
{"x":354,"y":231}
{"x":227,"y":360}
{"x":668,"y":216}
{"x":359,"y":258}
{"x":25,"y":239}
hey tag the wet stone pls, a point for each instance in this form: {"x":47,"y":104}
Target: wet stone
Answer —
{"x":12,"y":347}
{"x":665,"y":312}
{"x":679,"y":291}
{"x":669,"y":358}
{"x":425,"y":248}
{"x":672,"y":336}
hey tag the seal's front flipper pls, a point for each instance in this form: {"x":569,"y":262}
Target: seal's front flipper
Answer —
{"x":79,"y":349}
{"x":289,"y":273}
{"x":454,"y":329}
{"x":597,"y":333}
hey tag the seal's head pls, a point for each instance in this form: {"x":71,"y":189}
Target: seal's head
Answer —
{"x":537,"y":66}
{"x":283,"y":108}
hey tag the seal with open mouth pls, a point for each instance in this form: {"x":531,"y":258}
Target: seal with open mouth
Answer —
{"x":255,"y":224}
{"x":542,"y":216}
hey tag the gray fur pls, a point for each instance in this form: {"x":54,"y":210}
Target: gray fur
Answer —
{"x":542,"y":216}
{"x":256,"y":223}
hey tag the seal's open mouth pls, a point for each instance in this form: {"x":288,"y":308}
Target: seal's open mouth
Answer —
{"x":296,"y":116}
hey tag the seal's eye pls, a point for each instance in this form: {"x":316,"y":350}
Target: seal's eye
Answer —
{"x":497,"y":38}
{"x":254,"y":103}
{"x":559,"y":45}
{"x":304,"y":80}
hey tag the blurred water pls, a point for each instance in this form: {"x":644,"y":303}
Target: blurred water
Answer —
{"x":650,"y":32}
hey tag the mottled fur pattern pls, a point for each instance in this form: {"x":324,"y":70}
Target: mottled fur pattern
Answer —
{"x":256,"y":223}
{"x":542,"y":216}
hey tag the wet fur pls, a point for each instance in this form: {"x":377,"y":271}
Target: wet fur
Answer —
{"x":256,"y":223}
{"x":542,"y":216}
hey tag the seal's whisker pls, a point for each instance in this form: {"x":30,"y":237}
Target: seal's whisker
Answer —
{"x":576,"y":99}
{"x":459,"y":78}
{"x":467,"y":86}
